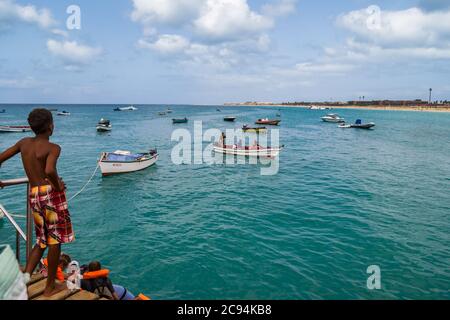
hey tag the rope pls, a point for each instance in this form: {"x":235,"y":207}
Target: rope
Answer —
{"x":84,"y":187}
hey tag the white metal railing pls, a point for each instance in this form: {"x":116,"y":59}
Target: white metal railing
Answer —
{"x":27,"y":235}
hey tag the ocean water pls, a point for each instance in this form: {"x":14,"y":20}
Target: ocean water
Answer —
{"x":343,"y":200}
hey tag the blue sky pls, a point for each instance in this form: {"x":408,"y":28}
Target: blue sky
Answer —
{"x":216,"y":51}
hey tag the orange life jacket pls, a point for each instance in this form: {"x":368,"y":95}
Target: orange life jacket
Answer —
{"x":104,"y":273}
{"x":59,"y":272}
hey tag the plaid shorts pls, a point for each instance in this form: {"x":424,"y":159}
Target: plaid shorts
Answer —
{"x":51,"y":216}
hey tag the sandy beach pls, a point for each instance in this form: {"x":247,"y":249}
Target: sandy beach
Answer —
{"x":445,"y":108}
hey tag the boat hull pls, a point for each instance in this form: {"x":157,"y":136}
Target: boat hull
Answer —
{"x":268,"y":123}
{"x":358,"y":126}
{"x":101,"y":128}
{"x":110,"y":168}
{"x":15,"y":129}
{"x":179,"y":121}
{"x":264,"y":153}
{"x":333,"y":120}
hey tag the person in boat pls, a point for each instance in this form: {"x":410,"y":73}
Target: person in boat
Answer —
{"x":47,"y":198}
{"x":96,"y":280}
{"x":64,"y":261}
{"x":222,"y":139}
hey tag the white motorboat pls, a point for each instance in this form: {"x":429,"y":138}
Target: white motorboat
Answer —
{"x":253,"y":151}
{"x":15,"y":128}
{"x":124,"y":161}
{"x":104,"y":125}
{"x":332,"y":117}
{"x":358,"y":125}
{"x":63,"y":113}
{"x":130,"y":108}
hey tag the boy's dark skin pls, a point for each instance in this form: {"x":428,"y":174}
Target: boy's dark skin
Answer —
{"x":39,"y":157}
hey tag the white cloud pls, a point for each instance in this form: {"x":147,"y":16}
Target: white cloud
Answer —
{"x":412,"y":27}
{"x":324,"y":67}
{"x":25,"y":83}
{"x":73,"y":53}
{"x":280,"y":8}
{"x":229,"y":19}
{"x":166,"y":44}
{"x":165,"y":11}
{"x":11,"y":11}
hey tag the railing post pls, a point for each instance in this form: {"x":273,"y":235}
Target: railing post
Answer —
{"x":29,"y":226}
{"x":18,"y":247}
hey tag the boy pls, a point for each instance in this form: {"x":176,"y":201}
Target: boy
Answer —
{"x":47,"y":195}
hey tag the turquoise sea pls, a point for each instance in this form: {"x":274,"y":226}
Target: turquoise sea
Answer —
{"x":343,"y":200}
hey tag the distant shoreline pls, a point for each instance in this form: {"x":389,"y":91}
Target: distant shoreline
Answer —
{"x":369,"y":107}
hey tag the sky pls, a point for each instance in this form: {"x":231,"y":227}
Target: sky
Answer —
{"x":217,"y":51}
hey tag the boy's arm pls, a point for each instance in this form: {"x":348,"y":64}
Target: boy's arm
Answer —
{"x":8,"y":154}
{"x":50,"y":168}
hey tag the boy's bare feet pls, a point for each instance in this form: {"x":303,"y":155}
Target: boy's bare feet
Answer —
{"x":58,"y":287}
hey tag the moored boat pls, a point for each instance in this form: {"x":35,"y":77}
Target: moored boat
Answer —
{"x":161,"y":113}
{"x":124,"y":161}
{"x":358,"y":125}
{"x":3,"y":111}
{"x":229,"y":119}
{"x":104,"y":125}
{"x":15,"y":128}
{"x":246,"y":128}
{"x":184,"y":120}
{"x":130,"y":108}
{"x":252,"y":151}
{"x":267,"y":121}
{"x":332,"y":117}
{"x":63,"y":113}
{"x":169,"y":110}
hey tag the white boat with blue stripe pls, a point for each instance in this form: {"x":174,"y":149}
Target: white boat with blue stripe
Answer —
{"x":124,"y":161}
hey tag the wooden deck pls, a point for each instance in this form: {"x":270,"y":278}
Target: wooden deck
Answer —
{"x":36,"y":288}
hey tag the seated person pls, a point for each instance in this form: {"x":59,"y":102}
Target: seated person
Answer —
{"x":96,"y":280}
{"x":64,"y":261}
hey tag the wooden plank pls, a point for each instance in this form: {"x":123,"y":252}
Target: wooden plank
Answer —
{"x":83,"y":295}
{"x":35,"y":278}
{"x":36,"y":289}
{"x":62,"y":295}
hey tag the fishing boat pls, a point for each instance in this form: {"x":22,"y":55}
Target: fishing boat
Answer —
{"x":229,"y":119}
{"x":184,"y":120}
{"x":332,"y":117}
{"x":63,"y":113}
{"x":104,"y":125}
{"x":246,"y":128}
{"x":124,"y":161}
{"x":358,"y":125}
{"x":15,"y":128}
{"x":267,"y":121}
{"x":130,"y":108}
{"x":253,"y":151}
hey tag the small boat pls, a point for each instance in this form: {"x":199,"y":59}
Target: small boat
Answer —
{"x":246,"y":128}
{"x":3,"y":111}
{"x":15,"y":128}
{"x":169,"y":110}
{"x":316,"y":108}
{"x":63,"y":113}
{"x":162,"y":113}
{"x":253,"y":151}
{"x":184,"y":120}
{"x":124,"y":161}
{"x":332,"y":117}
{"x":229,"y":119}
{"x":53,"y":110}
{"x":358,"y":125}
{"x":218,"y":110}
{"x":104,"y":125}
{"x":267,"y":121}
{"x":130,"y":108}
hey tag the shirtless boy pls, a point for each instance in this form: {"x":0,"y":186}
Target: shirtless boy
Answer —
{"x":47,"y":195}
